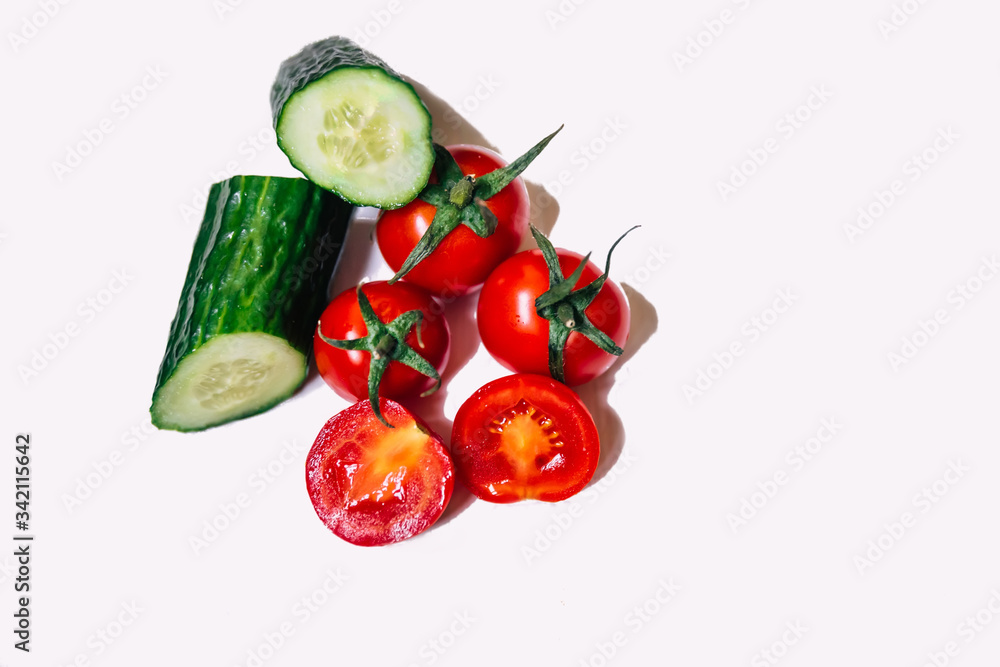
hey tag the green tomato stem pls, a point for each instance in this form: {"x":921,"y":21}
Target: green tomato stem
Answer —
{"x":459,"y":200}
{"x":565,"y":308}
{"x":386,"y":343}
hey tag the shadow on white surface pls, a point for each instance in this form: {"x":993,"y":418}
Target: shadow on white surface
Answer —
{"x":465,"y":343}
{"x":642,"y":325}
{"x":451,"y":128}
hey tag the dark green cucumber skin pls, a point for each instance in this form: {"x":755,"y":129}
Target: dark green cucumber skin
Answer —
{"x":316,"y":61}
{"x":262,"y":261}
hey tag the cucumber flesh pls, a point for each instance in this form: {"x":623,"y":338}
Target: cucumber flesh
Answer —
{"x":350,"y":135}
{"x":352,"y":125}
{"x":230,"y":376}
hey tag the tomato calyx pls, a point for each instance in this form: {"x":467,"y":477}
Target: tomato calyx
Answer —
{"x":565,"y":307}
{"x":460,"y":200}
{"x":386,"y":342}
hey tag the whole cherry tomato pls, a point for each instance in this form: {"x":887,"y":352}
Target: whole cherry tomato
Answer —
{"x":420,"y":338}
{"x":519,"y":334}
{"x":462,"y":260}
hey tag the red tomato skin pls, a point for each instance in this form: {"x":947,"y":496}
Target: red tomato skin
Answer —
{"x":341,"y":442}
{"x":490,"y":475}
{"x":463,"y":260}
{"x":514,"y":334}
{"x":346,"y":371}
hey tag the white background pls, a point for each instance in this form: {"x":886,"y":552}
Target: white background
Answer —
{"x":675,"y":466}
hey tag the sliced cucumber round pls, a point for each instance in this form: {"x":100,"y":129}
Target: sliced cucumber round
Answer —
{"x":230,"y":376}
{"x":352,"y":125}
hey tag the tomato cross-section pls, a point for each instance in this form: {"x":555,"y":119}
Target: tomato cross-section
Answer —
{"x":373,"y":485}
{"x":525,"y":437}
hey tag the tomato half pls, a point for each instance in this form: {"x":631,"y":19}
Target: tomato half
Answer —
{"x":516,"y":336}
{"x":463,"y":260}
{"x":525,"y":436}
{"x":373,"y":485}
{"x":346,"y":371}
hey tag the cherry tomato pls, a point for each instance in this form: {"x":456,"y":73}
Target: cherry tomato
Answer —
{"x":346,"y":371}
{"x":463,"y":260}
{"x":373,"y":485}
{"x":518,"y":337}
{"x":524,"y":436}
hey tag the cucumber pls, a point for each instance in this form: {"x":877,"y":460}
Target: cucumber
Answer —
{"x":255,"y":287}
{"x":352,"y":125}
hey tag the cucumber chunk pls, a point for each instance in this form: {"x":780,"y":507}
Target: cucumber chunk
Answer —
{"x":352,"y":125}
{"x":256,"y":284}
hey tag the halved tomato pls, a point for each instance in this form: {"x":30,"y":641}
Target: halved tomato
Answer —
{"x":373,"y":485}
{"x":525,"y":436}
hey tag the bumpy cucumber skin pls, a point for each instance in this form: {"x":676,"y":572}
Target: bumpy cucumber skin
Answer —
{"x":316,"y":61}
{"x":262,"y":261}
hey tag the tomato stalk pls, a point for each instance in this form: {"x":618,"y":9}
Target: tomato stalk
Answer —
{"x":565,"y":307}
{"x":386,"y":343}
{"x":461,"y":200}
{"x":461,"y":193}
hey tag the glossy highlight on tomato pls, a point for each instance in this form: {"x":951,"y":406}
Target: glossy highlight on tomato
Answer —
{"x":463,"y":260}
{"x":346,"y":371}
{"x":518,"y":337}
{"x":525,"y":437}
{"x":373,"y":485}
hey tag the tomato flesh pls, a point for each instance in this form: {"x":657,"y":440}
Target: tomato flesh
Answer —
{"x":525,"y":437}
{"x":372,"y":485}
{"x":463,"y":260}
{"x":346,"y":371}
{"x":515,"y":335}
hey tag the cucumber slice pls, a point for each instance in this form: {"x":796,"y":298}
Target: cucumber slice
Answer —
{"x":242,"y":336}
{"x":229,"y":377}
{"x":352,"y":125}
